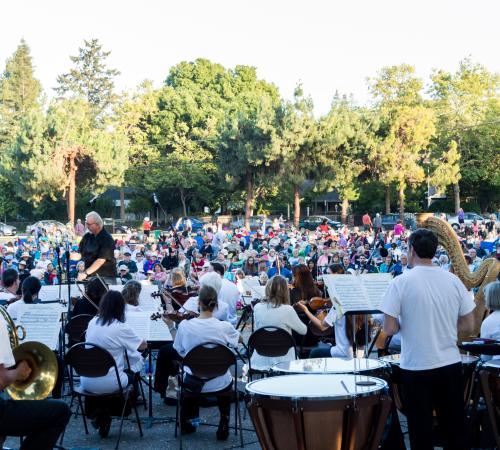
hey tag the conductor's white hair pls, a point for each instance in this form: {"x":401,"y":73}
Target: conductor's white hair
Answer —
{"x":213,"y":280}
{"x":95,"y":217}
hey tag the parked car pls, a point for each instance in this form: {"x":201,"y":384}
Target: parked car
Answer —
{"x":196,"y":224}
{"x":469,"y":217}
{"x":115,"y":226}
{"x":389,"y":220}
{"x":256,"y":223}
{"x":7,"y":230}
{"x":313,"y":222}
{"x":49,"y":226}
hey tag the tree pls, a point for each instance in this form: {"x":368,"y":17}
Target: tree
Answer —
{"x":405,"y":128}
{"x":445,"y":167}
{"x":251,"y":151}
{"x":298,"y":134}
{"x":90,"y":78}
{"x":53,"y":155}
{"x":344,"y":139}
{"x":467,"y":105}
{"x":19,"y":93}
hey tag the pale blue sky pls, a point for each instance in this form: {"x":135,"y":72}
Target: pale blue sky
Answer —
{"x":328,"y":45}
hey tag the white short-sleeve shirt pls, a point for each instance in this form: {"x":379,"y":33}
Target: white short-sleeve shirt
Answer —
{"x":6,"y":356}
{"x":194,"y":332}
{"x":428,"y":303}
{"x":117,"y":338}
{"x":490,"y":329}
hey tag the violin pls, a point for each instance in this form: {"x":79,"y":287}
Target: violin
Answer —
{"x":175,"y":316}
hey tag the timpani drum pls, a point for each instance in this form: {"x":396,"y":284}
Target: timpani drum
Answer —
{"x":364,"y":366}
{"x":318,"y":411}
{"x":469,"y":363}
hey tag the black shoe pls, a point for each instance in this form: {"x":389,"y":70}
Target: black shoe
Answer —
{"x":104,"y":426}
{"x":187,"y":428}
{"x":223,"y":430}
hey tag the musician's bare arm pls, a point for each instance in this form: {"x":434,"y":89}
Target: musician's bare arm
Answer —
{"x":320,"y":324}
{"x":96,"y":265}
{"x":465,"y":324}
{"x":20,"y":373}
{"x":391,"y":325}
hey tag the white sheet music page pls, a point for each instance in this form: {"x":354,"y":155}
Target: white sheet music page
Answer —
{"x":147,"y":329}
{"x":349,"y":291}
{"x":250,"y":287}
{"x":42,"y":323}
{"x":51,"y":293}
{"x":148,"y":303}
{"x":375,"y":285}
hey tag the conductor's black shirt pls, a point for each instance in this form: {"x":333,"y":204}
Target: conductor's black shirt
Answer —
{"x":100,"y":246}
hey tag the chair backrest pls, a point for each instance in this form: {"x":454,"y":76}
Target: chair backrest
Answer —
{"x":209,"y":360}
{"x":271,"y":342}
{"x":77,"y":326}
{"x":90,"y":360}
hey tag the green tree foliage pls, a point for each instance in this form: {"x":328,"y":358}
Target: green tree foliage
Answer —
{"x":298,"y":134}
{"x":90,"y":78}
{"x":19,"y":92}
{"x":344,"y":138}
{"x":406,"y":128}
{"x":467,"y":105}
{"x":251,"y":151}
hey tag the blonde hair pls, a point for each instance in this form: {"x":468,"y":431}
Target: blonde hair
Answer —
{"x":178,"y":277}
{"x":277,"y":293}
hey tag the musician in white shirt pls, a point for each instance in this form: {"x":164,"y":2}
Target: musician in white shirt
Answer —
{"x":275,"y":310}
{"x":131,"y":291}
{"x":429,"y":307}
{"x":40,"y":422}
{"x":490,"y":328}
{"x":30,"y":289}
{"x":228,"y":294}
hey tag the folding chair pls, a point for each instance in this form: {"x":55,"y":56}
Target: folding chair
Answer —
{"x":208,"y":361}
{"x":270,"y":342}
{"x":90,"y":360}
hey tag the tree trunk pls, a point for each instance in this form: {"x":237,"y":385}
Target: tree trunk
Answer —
{"x":183,"y":201}
{"x":122,"y":204}
{"x":296,"y":206}
{"x":388,"y":199}
{"x":70,"y":199}
{"x":345,"y":208}
{"x":249,"y":200}
{"x":402,"y":202}
{"x":456,"y":196}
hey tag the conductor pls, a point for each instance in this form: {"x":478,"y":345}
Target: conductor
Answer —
{"x":97,"y":249}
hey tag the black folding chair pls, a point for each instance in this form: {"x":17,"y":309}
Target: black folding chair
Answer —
{"x":90,"y":360}
{"x":208,"y":361}
{"x":270,"y":342}
{"x":76,"y":328}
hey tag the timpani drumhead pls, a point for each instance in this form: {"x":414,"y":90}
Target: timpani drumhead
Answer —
{"x":395,"y":359}
{"x":315,"y":387}
{"x":492,"y":364}
{"x":328,"y":365}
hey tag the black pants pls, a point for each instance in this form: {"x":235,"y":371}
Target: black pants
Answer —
{"x":191,"y":406}
{"x":40,"y":421}
{"x":167,"y":365}
{"x":440,"y":390}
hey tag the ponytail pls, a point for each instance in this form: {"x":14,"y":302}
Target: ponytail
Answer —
{"x":30,"y":289}
{"x":207,"y":298}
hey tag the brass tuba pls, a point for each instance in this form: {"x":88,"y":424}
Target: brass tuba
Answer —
{"x":38,"y":356}
{"x":486,"y":273}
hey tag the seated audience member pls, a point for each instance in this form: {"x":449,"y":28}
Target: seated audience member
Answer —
{"x":275,"y":310}
{"x":490,"y":328}
{"x":191,"y":333}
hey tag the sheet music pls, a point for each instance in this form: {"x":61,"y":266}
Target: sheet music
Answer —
{"x":116,"y":287}
{"x":148,"y":303}
{"x":358,"y":292}
{"x":147,"y":329}
{"x":251,"y":285}
{"x":50,"y":293}
{"x":42,"y":323}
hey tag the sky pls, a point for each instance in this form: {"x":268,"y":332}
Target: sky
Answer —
{"x":328,"y":45}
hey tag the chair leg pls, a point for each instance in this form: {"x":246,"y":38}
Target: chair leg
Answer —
{"x":138,"y":421}
{"x":121,"y":423}
{"x":80,"y":405}
{"x":239,"y":420}
{"x":141,"y":387}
